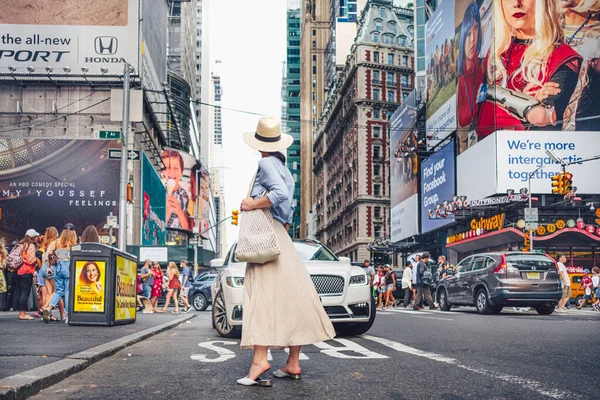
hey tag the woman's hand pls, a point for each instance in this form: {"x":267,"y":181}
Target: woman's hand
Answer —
{"x":542,"y":116}
{"x":549,"y":89}
{"x":248,"y":204}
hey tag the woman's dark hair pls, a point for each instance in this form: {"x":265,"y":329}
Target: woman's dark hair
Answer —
{"x":90,"y":235}
{"x":471,"y":17}
{"x":83,"y":276}
{"x":26,"y":241}
{"x":278,"y":155}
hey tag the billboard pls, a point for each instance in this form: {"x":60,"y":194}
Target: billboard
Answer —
{"x":184,"y":195}
{"x":205,"y":209}
{"x":404,"y":169}
{"x":437,"y":185}
{"x":154,"y":197}
{"x":125,"y":289}
{"x":69,"y":33}
{"x":517,"y":92}
{"x":50,"y":182}
{"x":90,"y":287}
{"x":512,"y":156}
{"x":440,"y":64}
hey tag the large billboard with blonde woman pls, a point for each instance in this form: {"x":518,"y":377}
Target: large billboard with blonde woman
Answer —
{"x":527,"y":65}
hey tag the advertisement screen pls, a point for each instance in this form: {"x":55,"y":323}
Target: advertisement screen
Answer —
{"x":90,"y":286}
{"x":125,"y":290}
{"x":404,"y":169}
{"x":205,"y":210}
{"x":516,"y":92}
{"x":52,"y":182}
{"x":74,"y":33}
{"x":440,"y":58}
{"x":437,"y":186}
{"x":154,"y":197}
{"x":179,"y":177}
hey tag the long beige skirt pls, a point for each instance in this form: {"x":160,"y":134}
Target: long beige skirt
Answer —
{"x":281,"y":306}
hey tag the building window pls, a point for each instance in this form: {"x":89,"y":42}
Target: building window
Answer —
{"x":376,"y":152}
{"x":382,"y":12}
{"x":379,"y":25}
{"x":314,"y":83}
{"x":376,"y":170}
{"x":389,"y":114}
{"x":404,"y":81}
{"x":376,"y":113}
{"x":314,"y":32}
{"x":376,"y":132}
{"x":402,"y":41}
{"x":314,"y":96}
{"x":314,"y":44}
{"x":388,"y":39}
{"x":376,"y":56}
{"x":314,"y":69}
{"x":314,"y":57}
{"x":390,"y":77}
{"x":376,"y":94}
{"x":404,"y":96}
{"x":392,"y":26}
{"x":376,"y":77}
{"x":377,"y":190}
{"x":377,"y":231}
{"x":405,"y":61}
{"x":375,"y":37}
{"x":390,"y":59}
{"x":377,"y":212}
{"x":391,"y":96}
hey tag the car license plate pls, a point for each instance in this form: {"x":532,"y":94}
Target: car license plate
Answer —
{"x":533,"y":275}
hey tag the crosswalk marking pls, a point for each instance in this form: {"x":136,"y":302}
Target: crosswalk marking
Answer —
{"x":287,"y":351}
{"x":349,"y":346}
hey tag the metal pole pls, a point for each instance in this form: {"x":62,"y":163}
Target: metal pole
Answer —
{"x":530,"y":231}
{"x":196,"y":226}
{"x":123,"y":177}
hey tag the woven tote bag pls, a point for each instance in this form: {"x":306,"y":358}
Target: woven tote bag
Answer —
{"x":257,"y":242}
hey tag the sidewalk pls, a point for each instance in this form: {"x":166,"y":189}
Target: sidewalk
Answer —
{"x":34,"y":355}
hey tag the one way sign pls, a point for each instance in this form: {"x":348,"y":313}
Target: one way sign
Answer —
{"x":115,"y":154}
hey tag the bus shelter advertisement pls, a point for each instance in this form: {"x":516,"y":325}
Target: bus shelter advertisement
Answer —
{"x":440,"y":59}
{"x":154,"y":197}
{"x":90,"y":286}
{"x":437,"y":187}
{"x":125,"y":290}
{"x":404,"y":169}
{"x":546,"y":81}
{"x":72,"y":34}
{"x":50,"y":182}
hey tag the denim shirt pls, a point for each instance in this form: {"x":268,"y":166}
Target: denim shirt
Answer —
{"x":274,"y":176}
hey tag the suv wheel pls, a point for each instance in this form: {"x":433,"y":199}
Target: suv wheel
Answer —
{"x":443,"y":300}
{"x":200,"y":303}
{"x":544,"y":309}
{"x":482,"y":302}
{"x":220,"y":319}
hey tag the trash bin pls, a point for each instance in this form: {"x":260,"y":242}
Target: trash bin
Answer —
{"x":103,"y":286}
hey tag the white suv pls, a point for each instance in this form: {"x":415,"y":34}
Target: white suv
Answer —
{"x":343,"y":288}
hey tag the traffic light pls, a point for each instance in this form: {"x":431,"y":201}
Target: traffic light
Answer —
{"x":234,"y":217}
{"x":567,"y":179}
{"x":557,"y":184}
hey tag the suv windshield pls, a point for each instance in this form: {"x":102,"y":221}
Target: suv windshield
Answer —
{"x":529,"y":260}
{"x":313,"y":251}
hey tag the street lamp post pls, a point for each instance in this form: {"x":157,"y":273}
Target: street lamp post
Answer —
{"x":124,"y":160}
{"x":529,"y":193}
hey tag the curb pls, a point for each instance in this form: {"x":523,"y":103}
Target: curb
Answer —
{"x":29,"y":383}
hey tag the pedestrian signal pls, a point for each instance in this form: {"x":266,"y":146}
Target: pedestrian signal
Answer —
{"x":234,"y":217}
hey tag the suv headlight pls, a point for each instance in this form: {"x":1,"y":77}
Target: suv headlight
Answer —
{"x":234,"y":281}
{"x":358,"y":280}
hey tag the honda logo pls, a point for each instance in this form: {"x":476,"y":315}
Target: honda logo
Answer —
{"x":106,"y":45}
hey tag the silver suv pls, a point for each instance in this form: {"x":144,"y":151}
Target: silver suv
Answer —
{"x":491,"y":281}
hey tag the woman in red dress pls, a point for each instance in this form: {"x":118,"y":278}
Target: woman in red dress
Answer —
{"x":532,"y":73}
{"x":157,"y":286}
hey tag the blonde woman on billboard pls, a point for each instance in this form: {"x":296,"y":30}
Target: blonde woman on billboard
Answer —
{"x":531,"y":71}
{"x":91,"y":276}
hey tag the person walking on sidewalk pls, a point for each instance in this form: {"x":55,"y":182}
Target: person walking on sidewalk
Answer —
{"x":173,"y":286}
{"x":68,"y":239}
{"x":3,"y":283}
{"x":566,"y":283}
{"x":407,"y":277}
{"x":90,"y":235}
{"x":586,"y":285}
{"x":423,"y":281}
{"x":186,"y":284}
{"x":390,"y":282}
{"x":268,"y":321}
{"x":147,"y":276}
{"x":370,"y":271}
{"x":596,"y":287}
{"x":157,"y":275}
{"x":24,"y":273}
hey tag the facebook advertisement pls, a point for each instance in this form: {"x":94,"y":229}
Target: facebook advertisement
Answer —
{"x":437,"y":186}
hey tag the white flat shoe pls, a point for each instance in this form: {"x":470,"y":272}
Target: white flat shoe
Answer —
{"x":284,"y":375}
{"x":258,"y":382}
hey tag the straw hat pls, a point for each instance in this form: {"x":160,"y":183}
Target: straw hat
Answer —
{"x":268,"y":136}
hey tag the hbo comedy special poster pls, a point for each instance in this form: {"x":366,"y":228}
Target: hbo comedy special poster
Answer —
{"x":90,"y":286}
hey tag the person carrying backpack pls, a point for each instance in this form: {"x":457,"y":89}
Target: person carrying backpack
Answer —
{"x":424,"y":278}
{"x":23,"y":262}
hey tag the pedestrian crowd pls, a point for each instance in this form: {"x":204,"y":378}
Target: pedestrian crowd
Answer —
{"x":35,"y":275}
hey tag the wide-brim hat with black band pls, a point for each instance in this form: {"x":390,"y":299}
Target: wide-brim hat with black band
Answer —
{"x":268,"y":136}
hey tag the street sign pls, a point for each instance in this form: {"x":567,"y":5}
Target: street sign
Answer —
{"x":531,"y":226}
{"x":115,"y":154}
{"x":531,"y":215}
{"x":109,"y":135}
{"x":111,"y":221}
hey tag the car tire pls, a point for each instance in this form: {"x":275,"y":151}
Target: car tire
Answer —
{"x":578,"y":300}
{"x":199,"y":302}
{"x":221,"y":320}
{"x":497,"y":309}
{"x":482,"y":302}
{"x":443,"y":300}
{"x":359,"y":328}
{"x":545,"y":309}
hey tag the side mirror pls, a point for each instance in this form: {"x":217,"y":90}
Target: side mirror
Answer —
{"x":344,"y":259}
{"x":217,"y":263}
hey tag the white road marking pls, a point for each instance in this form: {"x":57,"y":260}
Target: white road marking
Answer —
{"x":530,"y":384}
{"x":436,"y":318}
{"x":224,"y":354}
{"x":302,"y":355}
{"x":348,"y":346}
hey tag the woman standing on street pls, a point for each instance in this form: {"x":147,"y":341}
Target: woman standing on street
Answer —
{"x":173,"y":286}
{"x":268,"y":321}
{"x":156,"y":286}
{"x":49,"y":246}
{"x":407,"y":278}
{"x":25,"y":273}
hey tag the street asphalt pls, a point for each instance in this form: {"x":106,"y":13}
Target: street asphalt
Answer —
{"x":406,"y":355}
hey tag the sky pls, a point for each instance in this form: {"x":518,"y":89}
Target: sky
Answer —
{"x":249,"y":40}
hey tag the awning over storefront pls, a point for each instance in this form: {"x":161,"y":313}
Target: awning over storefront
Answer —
{"x":562,"y":238}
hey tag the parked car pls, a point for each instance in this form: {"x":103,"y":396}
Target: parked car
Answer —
{"x":200,"y":296}
{"x":343,"y":289}
{"x":491,"y":281}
